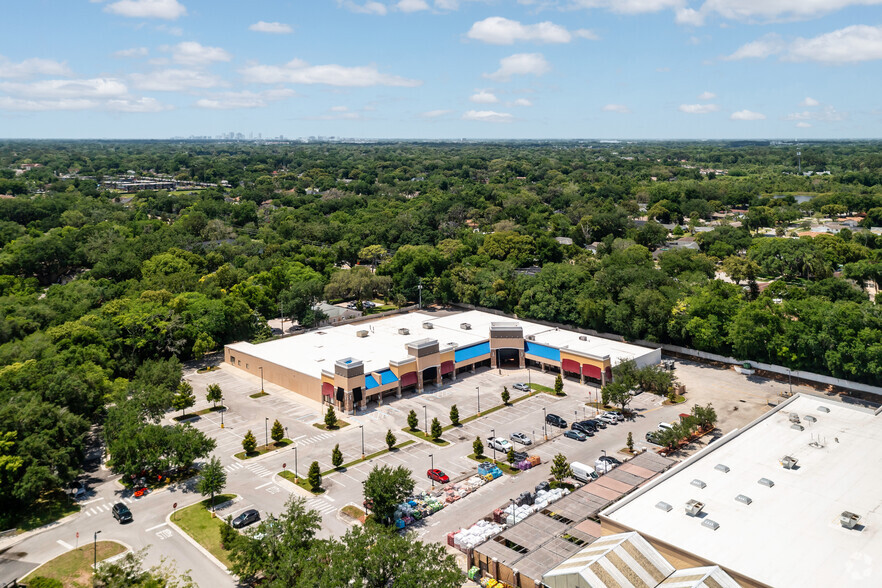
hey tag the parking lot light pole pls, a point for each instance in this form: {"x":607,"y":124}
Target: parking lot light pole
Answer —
{"x":362,"y":440}
{"x":478,"y":388}
{"x":425,"y":421}
{"x":95,"y":550}
{"x":261,"y":377}
{"x":790,"y":380}
{"x":513,"y":511}
{"x":295,"y":464}
{"x":432,"y":457}
{"x":266,"y":431}
{"x":493,"y":444}
{"x":545,"y":422}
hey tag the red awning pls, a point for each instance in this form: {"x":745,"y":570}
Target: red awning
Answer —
{"x":568,"y":365}
{"x":592,"y":371}
{"x":447,"y":367}
{"x":327,"y":389}
{"x":408,"y":379}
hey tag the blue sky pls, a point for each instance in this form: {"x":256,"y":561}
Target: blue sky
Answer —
{"x":652,"y":69}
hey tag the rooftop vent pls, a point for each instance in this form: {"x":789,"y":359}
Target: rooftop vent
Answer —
{"x":794,"y":418}
{"x":765,"y":482}
{"x":712,"y":525}
{"x":465,"y":326}
{"x":721,"y":467}
{"x":698,"y":483}
{"x":531,"y":337}
{"x":428,"y":326}
{"x":583,"y":338}
{"x":788,"y":462}
{"x":823,"y":409}
{"x":810,"y":418}
{"x":797,"y":427}
{"x":363,"y":333}
{"x":744,"y":499}
{"x":664,"y":506}
{"x":849,"y":520}
{"x":693,"y":507}
{"x":403,"y":331}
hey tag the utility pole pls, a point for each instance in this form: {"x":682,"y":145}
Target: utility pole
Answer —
{"x":420,"y":289}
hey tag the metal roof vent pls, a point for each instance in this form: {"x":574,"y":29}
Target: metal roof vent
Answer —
{"x":531,"y":337}
{"x":693,"y":507}
{"x":765,"y":482}
{"x":664,"y":506}
{"x":583,"y":338}
{"x":698,"y":483}
{"x":403,"y":331}
{"x":797,"y":427}
{"x":823,"y":409}
{"x":713,"y":525}
{"x":849,"y":520}
{"x":810,"y":418}
{"x":794,"y":418}
{"x":788,"y":462}
{"x":465,"y":326}
{"x":429,"y":326}
{"x":744,"y":499}
{"x":721,"y":467}
{"x":362,"y":333}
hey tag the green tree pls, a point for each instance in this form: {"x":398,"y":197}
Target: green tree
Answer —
{"x":249,"y":443}
{"x":617,"y":393}
{"x":212,"y":480}
{"x":558,"y":385}
{"x":560,"y":468}
{"x":314,"y":475}
{"x":390,"y":439}
{"x":436,"y":428}
{"x":630,"y":442}
{"x":412,"y":420}
{"x":204,"y":343}
{"x":454,"y":416}
{"x":184,"y":398}
{"x":478,"y":447}
{"x":705,"y":416}
{"x":505,"y":395}
{"x":336,"y":456}
{"x":129,"y":572}
{"x":214,"y":394}
{"x":277,"y":433}
{"x":331,"y":418}
{"x":385,"y":488}
{"x":510,"y":456}
{"x":230,"y":537}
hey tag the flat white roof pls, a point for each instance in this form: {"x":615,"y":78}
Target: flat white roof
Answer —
{"x":789,"y":534}
{"x":314,"y":351}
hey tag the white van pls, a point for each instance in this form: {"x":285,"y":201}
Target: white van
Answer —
{"x":664,"y":426}
{"x":583,"y":473}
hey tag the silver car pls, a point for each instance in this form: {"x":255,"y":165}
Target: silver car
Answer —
{"x":521,"y":438}
{"x":522,"y":387}
{"x":609,"y":418}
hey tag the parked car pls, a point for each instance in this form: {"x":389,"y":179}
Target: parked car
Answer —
{"x":246,"y":518}
{"x":619,"y":416}
{"x":438,"y":476}
{"x":635,"y":391}
{"x":555,"y":421}
{"x":610,"y":460}
{"x":521,"y":438}
{"x":577,"y":435}
{"x":583,"y":473}
{"x":653,"y":437}
{"x":522,"y":387}
{"x":663,"y":426}
{"x":499,"y":444}
{"x":608,"y":419}
{"x":122,"y":513}
{"x":598,"y":424}
{"x":584,"y":427}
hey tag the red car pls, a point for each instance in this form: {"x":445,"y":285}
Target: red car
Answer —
{"x":438,"y":476}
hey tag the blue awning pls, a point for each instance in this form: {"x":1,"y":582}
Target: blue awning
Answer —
{"x":542,"y":351}
{"x":370,"y":382}
{"x":386,"y":377}
{"x":467,"y":353}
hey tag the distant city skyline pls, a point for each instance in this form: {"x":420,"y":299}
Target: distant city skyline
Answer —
{"x":442,"y":69}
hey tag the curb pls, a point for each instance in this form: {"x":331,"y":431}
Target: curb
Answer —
{"x":16,"y":539}
{"x":195,"y":543}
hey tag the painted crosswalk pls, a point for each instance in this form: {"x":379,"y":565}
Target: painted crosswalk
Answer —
{"x":258,"y":470}
{"x":321,"y":505}
{"x":315,"y":439}
{"x":97,"y":509}
{"x":232,"y":467}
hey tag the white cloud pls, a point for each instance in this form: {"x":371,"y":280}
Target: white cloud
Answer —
{"x":164,"y":9}
{"x":747,"y":115}
{"x":175,"y":80}
{"x":689,"y":17}
{"x":804,"y":125}
{"x":275,"y":28}
{"x":520,"y":64}
{"x":193,"y":53}
{"x":698,"y":108}
{"x":619,"y":108}
{"x":849,"y":45}
{"x":299,"y":72}
{"x":484,"y":97}
{"x":630,"y":6}
{"x":809,"y":102}
{"x":136,"y":105}
{"x":33,"y":66}
{"x":412,"y":5}
{"x":522,"y":102}
{"x":497,"y":30}
{"x":246,"y":99}
{"x":435,"y":113}
{"x":66,"y":89}
{"x":826,"y":114}
{"x":488,"y":116}
{"x":371,"y":7}
{"x":707,"y":96}
{"x":759,"y":49}
{"x":778,"y":10}
{"x":133,"y":52}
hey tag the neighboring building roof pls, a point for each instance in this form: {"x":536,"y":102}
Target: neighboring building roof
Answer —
{"x":564,"y":240}
{"x":707,"y":577}
{"x":788,"y":534}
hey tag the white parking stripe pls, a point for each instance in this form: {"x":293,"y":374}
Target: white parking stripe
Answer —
{"x":65,"y":544}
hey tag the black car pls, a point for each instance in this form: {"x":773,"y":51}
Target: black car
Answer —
{"x":610,"y":460}
{"x":246,"y":518}
{"x":584,"y":427}
{"x":122,"y":513}
{"x":555,"y":421}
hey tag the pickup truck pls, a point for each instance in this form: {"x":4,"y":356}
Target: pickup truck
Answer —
{"x":499,"y":444}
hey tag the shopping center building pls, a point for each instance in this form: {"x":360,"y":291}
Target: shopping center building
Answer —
{"x":356,"y":363}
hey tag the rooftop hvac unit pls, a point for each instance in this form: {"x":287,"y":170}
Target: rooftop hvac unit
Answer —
{"x":712,"y":525}
{"x":362,"y":334}
{"x":810,"y":418}
{"x":664,"y":506}
{"x":794,"y":418}
{"x":465,"y":326}
{"x":744,"y":499}
{"x":849,"y":520}
{"x":788,"y":462}
{"x":404,"y":331}
{"x":823,"y":409}
{"x":583,"y":338}
{"x":765,"y":482}
{"x":698,"y":483}
{"x":721,"y":467}
{"x":797,"y":427}
{"x":531,"y":337}
{"x":428,"y":326}
{"x":693,"y":507}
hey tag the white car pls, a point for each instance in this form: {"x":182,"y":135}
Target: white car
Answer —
{"x":609,"y":418}
{"x":616,"y":414}
{"x":522,"y":387}
{"x":500,"y":444}
{"x":521,"y":438}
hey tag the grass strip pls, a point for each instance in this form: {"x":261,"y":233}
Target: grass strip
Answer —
{"x":503,"y":465}
{"x":340,"y":424}
{"x":262,"y":449}
{"x":197,"y":522}
{"x":420,"y":435}
{"x":50,"y":507}
{"x":260,"y":394}
{"x":74,"y":568}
